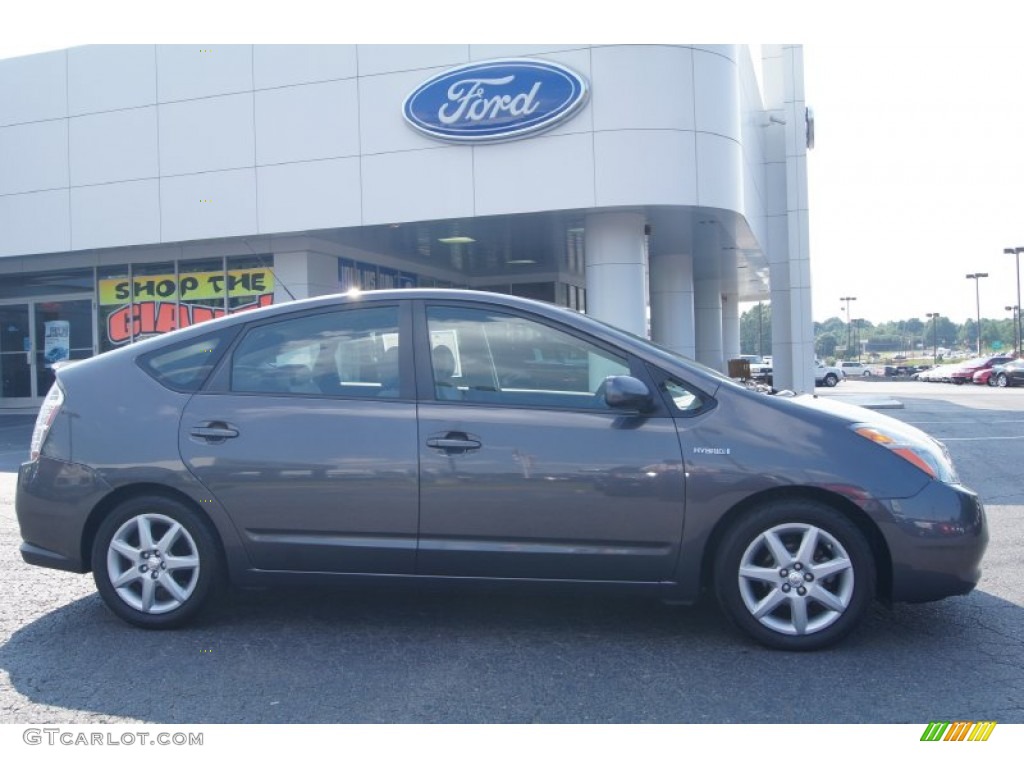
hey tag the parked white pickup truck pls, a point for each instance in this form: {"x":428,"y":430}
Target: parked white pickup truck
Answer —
{"x":828,"y":375}
{"x":759,"y":367}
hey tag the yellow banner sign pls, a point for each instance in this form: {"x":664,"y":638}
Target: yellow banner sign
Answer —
{"x":188,"y":286}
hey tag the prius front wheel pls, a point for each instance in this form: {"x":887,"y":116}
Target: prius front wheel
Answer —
{"x":795,"y":575}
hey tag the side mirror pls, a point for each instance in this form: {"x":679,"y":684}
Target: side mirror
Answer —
{"x":627,"y":393}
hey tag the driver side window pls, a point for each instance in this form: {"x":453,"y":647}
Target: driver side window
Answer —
{"x":484,"y":356}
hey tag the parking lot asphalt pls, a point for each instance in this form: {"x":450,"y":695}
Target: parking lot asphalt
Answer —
{"x":357,"y":656}
{"x":15,"y":435}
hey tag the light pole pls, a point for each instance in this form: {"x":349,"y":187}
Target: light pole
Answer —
{"x":976,"y":277}
{"x":1015,"y":309}
{"x":858,"y":323}
{"x":1018,"y":335}
{"x":935,"y":338}
{"x":760,"y":333}
{"x":847,"y":299}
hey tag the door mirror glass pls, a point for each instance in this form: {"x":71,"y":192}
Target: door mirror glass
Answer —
{"x":627,"y":393}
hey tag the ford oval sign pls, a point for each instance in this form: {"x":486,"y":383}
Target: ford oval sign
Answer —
{"x":495,"y":100}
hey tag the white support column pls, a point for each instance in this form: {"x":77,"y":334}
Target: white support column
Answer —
{"x":303,"y":274}
{"x":788,"y":248}
{"x":708,"y":314}
{"x":731,"y":325}
{"x":616,"y":269}
{"x":672,"y":323}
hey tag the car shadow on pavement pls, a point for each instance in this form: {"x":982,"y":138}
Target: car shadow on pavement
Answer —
{"x":424,"y":657}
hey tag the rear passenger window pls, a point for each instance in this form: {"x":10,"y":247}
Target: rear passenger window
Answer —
{"x":346,"y":354}
{"x":185,"y":366}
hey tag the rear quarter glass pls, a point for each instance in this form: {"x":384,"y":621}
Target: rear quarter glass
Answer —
{"x":184,"y":367}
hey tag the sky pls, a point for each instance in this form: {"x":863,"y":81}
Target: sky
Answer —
{"x":917,"y":176}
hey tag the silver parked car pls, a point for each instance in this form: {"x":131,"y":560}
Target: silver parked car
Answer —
{"x":451,"y":436}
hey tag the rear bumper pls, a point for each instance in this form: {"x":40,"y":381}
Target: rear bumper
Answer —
{"x":937,"y":539}
{"x":53,"y":502}
{"x":34,"y":555}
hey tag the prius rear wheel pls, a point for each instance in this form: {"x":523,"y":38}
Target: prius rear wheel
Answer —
{"x":156,"y":562}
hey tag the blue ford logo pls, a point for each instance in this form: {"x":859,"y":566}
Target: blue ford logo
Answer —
{"x":495,"y":100}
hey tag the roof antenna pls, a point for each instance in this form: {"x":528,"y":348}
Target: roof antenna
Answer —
{"x":277,"y":280}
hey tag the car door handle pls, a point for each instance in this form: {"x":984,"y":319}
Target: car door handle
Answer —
{"x":214,"y":431}
{"x":454,"y":442}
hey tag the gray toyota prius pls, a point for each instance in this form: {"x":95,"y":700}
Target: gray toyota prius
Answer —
{"x":453,"y":436}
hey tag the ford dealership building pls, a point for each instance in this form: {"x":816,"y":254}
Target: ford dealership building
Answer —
{"x":144,"y":188}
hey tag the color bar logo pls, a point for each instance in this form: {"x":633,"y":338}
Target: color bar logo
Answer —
{"x":960,"y":730}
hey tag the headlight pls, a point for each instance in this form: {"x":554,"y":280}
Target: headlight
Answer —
{"x":923,"y":451}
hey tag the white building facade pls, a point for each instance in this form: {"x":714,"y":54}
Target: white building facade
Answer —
{"x":144,"y":188}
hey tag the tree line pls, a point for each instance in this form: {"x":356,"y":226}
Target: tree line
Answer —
{"x":912,"y":337}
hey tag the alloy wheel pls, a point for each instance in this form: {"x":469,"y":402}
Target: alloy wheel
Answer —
{"x":157,"y":562}
{"x":153,"y":563}
{"x":796,"y":579}
{"x":795,"y":574}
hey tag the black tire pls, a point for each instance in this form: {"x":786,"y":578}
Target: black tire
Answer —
{"x":190,"y":567}
{"x":831,"y":380}
{"x":1002,"y":380}
{"x":837,"y":592}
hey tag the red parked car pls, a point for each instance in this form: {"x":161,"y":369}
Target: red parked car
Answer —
{"x":967,"y":370}
{"x":983,"y":376}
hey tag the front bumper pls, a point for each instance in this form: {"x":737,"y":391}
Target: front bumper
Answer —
{"x":937,"y":539}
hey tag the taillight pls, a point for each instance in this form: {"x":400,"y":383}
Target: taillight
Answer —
{"x":47,"y":413}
